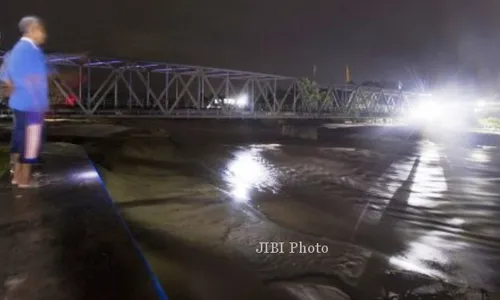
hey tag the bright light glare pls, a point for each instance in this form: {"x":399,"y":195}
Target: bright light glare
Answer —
{"x":480,"y":106}
{"x":427,"y":111}
{"x":242,"y":100}
{"x":439,"y":114}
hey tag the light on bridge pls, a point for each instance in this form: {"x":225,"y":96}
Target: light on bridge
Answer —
{"x":240,"y":101}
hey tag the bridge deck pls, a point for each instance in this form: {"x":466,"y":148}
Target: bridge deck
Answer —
{"x":66,"y":240}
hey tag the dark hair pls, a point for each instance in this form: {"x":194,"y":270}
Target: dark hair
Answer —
{"x":26,"y":23}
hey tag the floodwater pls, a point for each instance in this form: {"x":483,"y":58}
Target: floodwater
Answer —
{"x":349,"y":221}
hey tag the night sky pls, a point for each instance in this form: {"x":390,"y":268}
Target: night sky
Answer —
{"x":441,"y":40}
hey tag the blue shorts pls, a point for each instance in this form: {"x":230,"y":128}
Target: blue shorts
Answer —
{"x":27,"y":135}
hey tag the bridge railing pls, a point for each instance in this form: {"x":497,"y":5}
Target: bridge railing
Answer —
{"x":118,"y":86}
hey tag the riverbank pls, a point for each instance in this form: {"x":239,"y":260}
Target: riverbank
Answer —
{"x":184,"y":202}
{"x":201,"y":198}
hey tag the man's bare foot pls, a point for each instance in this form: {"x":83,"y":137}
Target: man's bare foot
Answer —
{"x":33,"y":184}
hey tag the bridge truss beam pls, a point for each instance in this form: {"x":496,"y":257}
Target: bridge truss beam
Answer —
{"x":108,"y":86}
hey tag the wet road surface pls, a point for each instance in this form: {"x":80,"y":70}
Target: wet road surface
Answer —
{"x":64,"y":240}
{"x":402,"y":216}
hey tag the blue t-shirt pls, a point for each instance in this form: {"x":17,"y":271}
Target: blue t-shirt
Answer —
{"x":26,"y":69}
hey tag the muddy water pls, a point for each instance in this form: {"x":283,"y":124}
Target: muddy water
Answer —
{"x":348,"y":219}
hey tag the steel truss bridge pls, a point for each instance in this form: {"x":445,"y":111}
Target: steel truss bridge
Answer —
{"x":117,"y":87}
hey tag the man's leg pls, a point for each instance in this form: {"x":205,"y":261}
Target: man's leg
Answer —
{"x":31,"y":148}
{"x":17,"y":143}
{"x":14,"y":141}
{"x":44,"y":141}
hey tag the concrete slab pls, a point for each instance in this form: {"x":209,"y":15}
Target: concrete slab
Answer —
{"x":66,"y":240}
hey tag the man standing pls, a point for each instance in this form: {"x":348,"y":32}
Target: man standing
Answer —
{"x":27,"y":72}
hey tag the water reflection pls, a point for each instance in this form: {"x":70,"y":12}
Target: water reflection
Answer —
{"x":456,"y":221}
{"x":322,"y":191}
{"x":429,"y":182}
{"x":479,"y":156}
{"x":422,"y":254}
{"x":249,"y":170}
{"x":87,"y":174}
{"x":442,"y":179}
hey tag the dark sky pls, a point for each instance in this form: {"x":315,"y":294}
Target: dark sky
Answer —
{"x":379,"y":39}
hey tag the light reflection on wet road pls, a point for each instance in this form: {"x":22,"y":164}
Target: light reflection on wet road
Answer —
{"x":427,"y":210}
